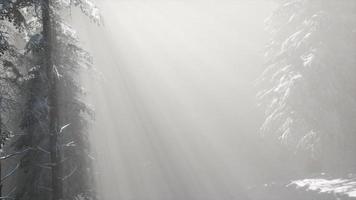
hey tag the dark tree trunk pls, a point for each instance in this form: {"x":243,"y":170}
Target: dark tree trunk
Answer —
{"x":56,"y":180}
{"x":0,"y":160}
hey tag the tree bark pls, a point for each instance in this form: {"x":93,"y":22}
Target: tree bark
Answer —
{"x":55,"y":157}
{"x":0,"y":160}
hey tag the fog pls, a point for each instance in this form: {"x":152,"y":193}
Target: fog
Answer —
{"x":174,"y":96}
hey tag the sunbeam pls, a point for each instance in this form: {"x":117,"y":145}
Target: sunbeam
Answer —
{"x":177,"y":99}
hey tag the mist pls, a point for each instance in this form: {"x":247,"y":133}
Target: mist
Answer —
{"x":176,"y":113}
{"x":177,"y":99}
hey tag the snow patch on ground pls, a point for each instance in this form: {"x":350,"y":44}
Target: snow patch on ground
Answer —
{"x":334,"y":186}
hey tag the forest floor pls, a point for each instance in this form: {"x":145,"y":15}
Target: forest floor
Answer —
{"x":307,"y":189}
{"x":343,"y":187}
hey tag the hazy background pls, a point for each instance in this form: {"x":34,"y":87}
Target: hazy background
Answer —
{"x":176,"y":113}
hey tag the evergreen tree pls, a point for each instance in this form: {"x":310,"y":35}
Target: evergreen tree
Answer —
{"x":309,"y":84}
{"x":48,"y":66}
{"x":11,"y":80}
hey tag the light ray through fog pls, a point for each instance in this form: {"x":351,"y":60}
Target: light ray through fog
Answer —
{"x":175,"y":111}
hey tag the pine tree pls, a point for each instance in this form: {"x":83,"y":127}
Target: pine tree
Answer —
{"x":309,"y":80}
{"x":11,"y":80}
{"x":46,"y":69}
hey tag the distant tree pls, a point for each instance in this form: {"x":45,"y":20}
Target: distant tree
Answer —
{"x":309,"y":83}
{"x":74,"y":114}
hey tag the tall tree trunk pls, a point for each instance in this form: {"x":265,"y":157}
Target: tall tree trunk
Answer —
{"x":0,"y":160}
{"x":56,"y":180}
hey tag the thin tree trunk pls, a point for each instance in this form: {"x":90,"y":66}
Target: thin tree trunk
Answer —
{"x":0,"y":160}
{"x":56,"y":180}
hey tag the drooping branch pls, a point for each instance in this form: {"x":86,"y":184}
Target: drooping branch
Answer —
{"x":15,"y":154}
{"x":70,"y":174}
{"x":10,"y":173}
{"x":7,"y":198}
{"x":43,"y":150}
{"x":8,"y":195}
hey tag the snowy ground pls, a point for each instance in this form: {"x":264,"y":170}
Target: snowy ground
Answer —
{"x":331,"y":186}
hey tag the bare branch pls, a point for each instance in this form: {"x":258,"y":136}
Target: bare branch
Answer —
{"x":70,"y":174}
{"x":7,"y":197}
{"x":10,"y":173}
{"x":91,"y":157}
{"x":43,"y":150}
{"x":63,"y":127}
{"x":69,"y":144}
{"x":64,"y":159}
{"x":44,"y":166}
{"x":46,"y":188}
{"x":12,"y":191}
{"x":15,"y":154}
